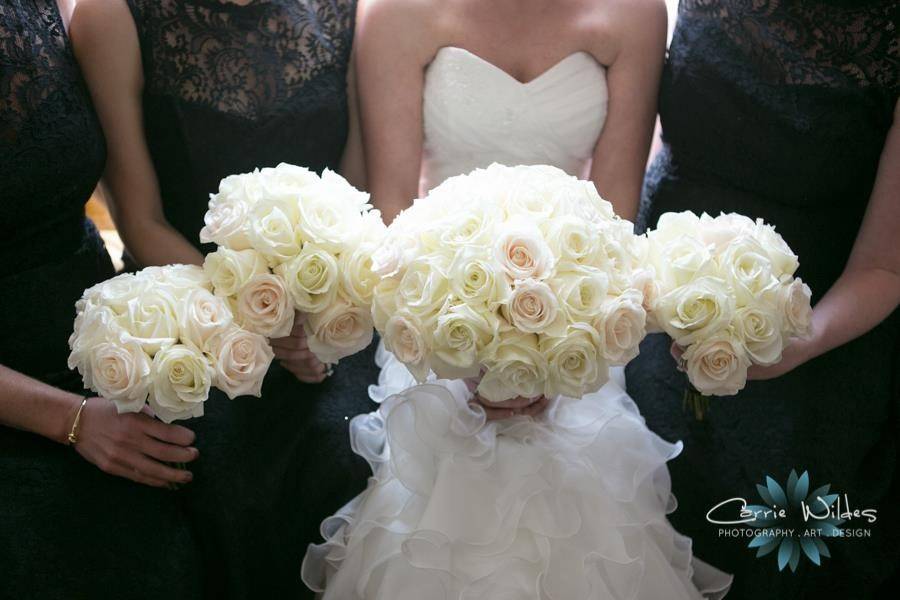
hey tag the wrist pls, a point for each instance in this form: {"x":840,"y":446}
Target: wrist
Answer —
{"x":64,"y":424}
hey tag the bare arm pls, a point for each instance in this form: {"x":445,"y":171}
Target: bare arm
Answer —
{"x":620,"y":156}
{"x":869,"y":288}
{"x":392,"y":51}
{"x":353,"y":165}
{"x":106,"y":45}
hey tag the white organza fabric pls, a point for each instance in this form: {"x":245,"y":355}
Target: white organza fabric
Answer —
{"x":569,"y":506}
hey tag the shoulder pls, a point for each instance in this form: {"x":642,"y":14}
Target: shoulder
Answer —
{"x":407,"y":25}
{"x":105,"y":39}
{"x":636,"y":26}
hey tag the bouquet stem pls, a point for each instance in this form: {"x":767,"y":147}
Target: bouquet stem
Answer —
{"x":695,"y":402}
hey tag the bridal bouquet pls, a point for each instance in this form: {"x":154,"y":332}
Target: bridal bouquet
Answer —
{"x":292,"y":240}
{"x":523,"y":276}
{"x":728,"y":295}
{"x":160,"y":336}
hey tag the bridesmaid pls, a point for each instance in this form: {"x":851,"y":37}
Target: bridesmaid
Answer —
{"x":66,"y":527}
{"x":787,"y":110}
{"x":190,"y":91}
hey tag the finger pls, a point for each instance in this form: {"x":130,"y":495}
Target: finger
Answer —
{"x":136,"y":476}
{"x":514,"y":403}
{"x":289,"y":343}
{"x":304,"y":367}
{"x":535,"y":409}
{"x":306,"y":376}
{"x":299,"y":318}
{"x":292,"y":353}
{"x":167,"y":452}
{"x":172,"y":434}
{"x":494,"y":414}
{"x":156,"y":470}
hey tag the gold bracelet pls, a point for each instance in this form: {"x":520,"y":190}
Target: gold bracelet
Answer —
{"x":73,"y":433}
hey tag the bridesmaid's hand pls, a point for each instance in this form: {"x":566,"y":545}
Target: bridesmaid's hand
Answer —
{"x":135,"y":445}
{"x":793,"y":356}
{"x":294,"y":354}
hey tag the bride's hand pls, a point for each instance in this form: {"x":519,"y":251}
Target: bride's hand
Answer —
{"x":294,"y":354}
{"x":517,"y":407}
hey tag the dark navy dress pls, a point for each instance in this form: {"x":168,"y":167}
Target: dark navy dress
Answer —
{"x":67,"y":530}
{"x":779,"y":109}
{"x":229,"y":88}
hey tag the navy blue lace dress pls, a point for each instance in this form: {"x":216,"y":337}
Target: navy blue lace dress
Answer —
{"x":779,"y":109}
{"x":67,"y":530}
{"x":229,"y":88}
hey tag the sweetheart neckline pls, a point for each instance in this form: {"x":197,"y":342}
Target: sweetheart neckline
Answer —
{"x":546,"y":72}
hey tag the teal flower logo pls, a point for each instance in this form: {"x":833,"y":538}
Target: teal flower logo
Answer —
{"x":794,"y":521}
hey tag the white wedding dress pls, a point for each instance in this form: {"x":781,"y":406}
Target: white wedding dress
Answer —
{"x":569,"y":506}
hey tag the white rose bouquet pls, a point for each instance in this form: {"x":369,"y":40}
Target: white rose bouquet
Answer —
{"x":161,"y":336}
{"x":292,"y":240}
{"x":520,"y":276}
{"x":727,"y":295}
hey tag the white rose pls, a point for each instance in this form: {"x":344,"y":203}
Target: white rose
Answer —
{"x":264,"y":306}
{"x":573,"y":240}
{"x":272,"y":229}
{"x":760,"y":330}
{"x":340,"y":330}
{"x":114,"y":293}
{"x":386,"y":258}
{"x":644,"y":280}
{"x":201,"y":317}
{"x":748,"y":267}
{"x":404,"y":337}
{"x":93,"y":325}
{"x":152,"y":319}
{"x":515,"y":367}
{"x":384,"y":302}
{"x":177,"y":279}
{"x":534,"y":308}
{"x":424,"y":287}
{"x":460,"y":334}
{"x":242,"y":359}
{"x":682,"y":260}
{"x":120,"y":372}
{"x":717,"y":365}
{"x":522,"y":253}
{"x":474,"y":279}
{"x":225,"y":223}
{"x":286,"y":180}
{"x":229,"y":270}
{"x":784,"y":261}
{"x":472,"y":227}
{"x":718,"y":232}
{"x":581,"y":292}
{"x":794,"y":303}
{"x":357,"y":276}
{"x":325,"y":222}
{"x":181,"y":381}
{"x":697,"y":310}
{"x":582,"y":200}
{"x":622,"y":323}
{"x":576,"y":367}
{"x":311,"y":278}
{"x":672,"y":225}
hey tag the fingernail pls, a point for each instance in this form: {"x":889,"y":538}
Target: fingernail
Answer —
{"x":194,"y":452}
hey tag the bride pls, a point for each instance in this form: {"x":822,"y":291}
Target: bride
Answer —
{"x":533,"y":498}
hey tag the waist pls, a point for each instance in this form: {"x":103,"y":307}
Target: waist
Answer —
{"x":47,"y":246}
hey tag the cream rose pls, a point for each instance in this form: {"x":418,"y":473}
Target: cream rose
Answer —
{"x":794,"y":303}
{"x":229,"y":270}
{"x":264,"y":306}
{"x":225,"y":223}
{"x":622,"y":324}
{"x":271,"y":229}
{"x":475,"y":279}
{"x":181,"y":380}
{"x":717,"y":365}
{"x":311,"y":278}
{"x":424,"y":287}
{"x":120,"y":371}
{"x":242,"y":359}
{"x":522,"y":253}
{"x":696,"y":310}
{"x":684,"y":259}
{"x":534,"y":308}
{"x":384,"y":302}
{"x":460,"y":333}
{"x":404,"y":337}
{"x":576,"y":367}
{"x":358,"y":279}
{"x":201,"y":317}
{"x":747,"y":266}
{"x":784,"y":261}
{"x":581,"y":292}
{"x":760,"y":330}
{"x":152,"y":319}
{"x":644,"y":280}
{"x":515,"y":368}
{"x":718,"y":232}
{"x":340,"y":330}
{"x":573,"y":241}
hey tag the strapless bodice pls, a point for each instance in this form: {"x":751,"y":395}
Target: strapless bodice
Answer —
{"x":475,"y":113}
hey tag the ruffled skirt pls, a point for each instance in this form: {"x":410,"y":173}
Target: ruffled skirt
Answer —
{"x":568,"y":506}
